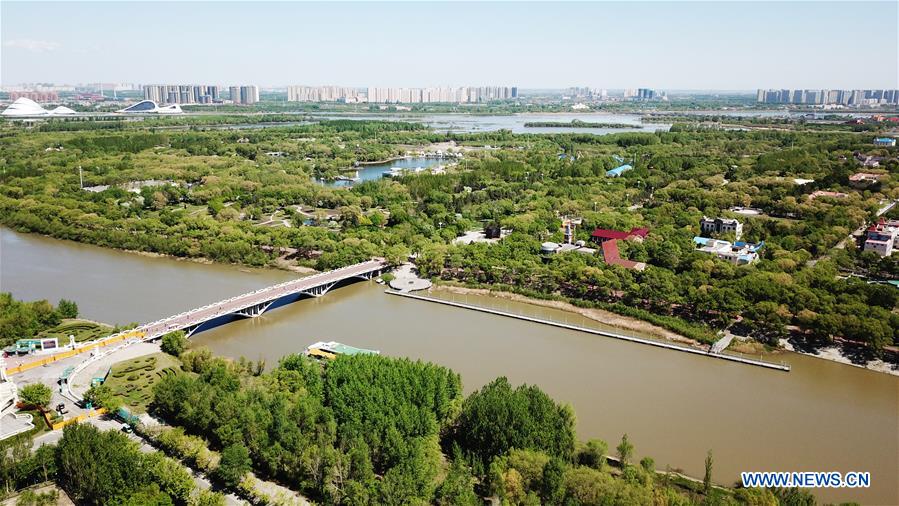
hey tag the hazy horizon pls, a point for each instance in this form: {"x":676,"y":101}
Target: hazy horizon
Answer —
{"x":719,"y":46}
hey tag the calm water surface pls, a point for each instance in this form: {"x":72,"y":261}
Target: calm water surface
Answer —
{"x":674,"y":406}
{"x":375,"y":171}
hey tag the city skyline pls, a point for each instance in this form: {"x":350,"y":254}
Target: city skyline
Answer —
{"x":714,"y":46}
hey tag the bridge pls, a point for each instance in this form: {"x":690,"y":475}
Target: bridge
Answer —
{"x":255,"y":303}
{"x":247,"y":305}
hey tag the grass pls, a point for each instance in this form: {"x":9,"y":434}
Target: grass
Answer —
{"x":82,"y":330}
{"x":132,"y":380}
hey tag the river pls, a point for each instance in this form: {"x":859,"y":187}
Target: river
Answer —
{"x":822,"y":416}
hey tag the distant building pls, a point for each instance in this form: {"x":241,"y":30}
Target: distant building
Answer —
{"x":37,"y":96}
{"x":829,"y":97}
{"x":151,"y":107}
{"x":618,"y":171}
{"x":863,"y":179}
{"x":721,"y":226}
{"x":248,"y":94}
{"x":829,"y":194}
{"x":885,"y":142}
{"x":737,"y":253}
{"x":882,"y":237}
{"x":182,"y":93}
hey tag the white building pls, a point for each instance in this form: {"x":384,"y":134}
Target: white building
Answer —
{"x":738,"y":253}
{"x":721,"y":226}
{"x":151,"y":107}
{"x":882,"y":237}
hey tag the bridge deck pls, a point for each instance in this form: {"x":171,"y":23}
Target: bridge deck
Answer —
{"x":269,"y":294}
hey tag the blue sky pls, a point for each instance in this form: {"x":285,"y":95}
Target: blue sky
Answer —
{"x":665,"y":45}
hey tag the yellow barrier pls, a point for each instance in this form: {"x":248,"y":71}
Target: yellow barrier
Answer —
{"x":75,"y":419}
{"x":71,"y":353}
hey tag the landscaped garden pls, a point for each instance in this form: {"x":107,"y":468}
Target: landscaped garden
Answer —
{"x":132,"y":381}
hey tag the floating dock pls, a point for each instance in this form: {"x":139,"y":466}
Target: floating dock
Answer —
{"x":633,"y":339}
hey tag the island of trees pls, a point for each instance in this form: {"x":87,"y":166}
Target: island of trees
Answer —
{"x":576,"y":123}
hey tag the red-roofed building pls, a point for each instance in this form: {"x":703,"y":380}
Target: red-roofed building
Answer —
{"x":609,"y":241}
{"x":601,"y":235}
{"x":612,"y":257}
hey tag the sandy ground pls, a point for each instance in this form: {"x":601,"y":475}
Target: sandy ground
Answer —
{"x":600,"y":315}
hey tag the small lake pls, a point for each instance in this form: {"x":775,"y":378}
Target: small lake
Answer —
{"x":375,"y":171}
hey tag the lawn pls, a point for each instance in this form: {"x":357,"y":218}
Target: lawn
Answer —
{"x":132,"y":380}
{"x":83,"y":330}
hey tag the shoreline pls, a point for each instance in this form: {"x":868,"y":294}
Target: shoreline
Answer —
{"x":615,"y":320}
{"x":834,"y":354}
{"x":598,"y":315}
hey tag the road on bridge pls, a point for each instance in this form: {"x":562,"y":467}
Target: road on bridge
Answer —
{"x":259,"y":298}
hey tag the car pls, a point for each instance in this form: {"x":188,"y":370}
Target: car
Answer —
{"x":126,"y":428}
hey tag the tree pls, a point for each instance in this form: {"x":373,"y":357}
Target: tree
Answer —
{"x":174,"y":343}
{"x":205,"y":497}
{"x":103,"y":396}
{"x":498,"y":418}
{"x":67,"y":309}
{"x":36,"y":394}
{"x":593,"y":454}
{"x":234,"y":465}
{"x":96,"y":466}
{"x":707,"y":477}
{"x":458,"y":486}
{"x":625,"y":451}
{"x":551,"y":484}
{"x":171,"y":476}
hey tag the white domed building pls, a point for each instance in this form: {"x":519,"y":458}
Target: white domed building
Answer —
{"x":25,"y":107}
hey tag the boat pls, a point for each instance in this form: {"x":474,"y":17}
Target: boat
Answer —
{"x":332,"y":349}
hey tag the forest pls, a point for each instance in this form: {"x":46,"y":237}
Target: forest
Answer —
{"x":368,"y":429}
{"x":214,"y":194}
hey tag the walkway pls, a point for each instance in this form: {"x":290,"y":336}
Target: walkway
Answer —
{"x":733,"y":358}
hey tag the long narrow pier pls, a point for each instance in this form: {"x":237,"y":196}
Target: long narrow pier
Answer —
{"x":482,"y":309}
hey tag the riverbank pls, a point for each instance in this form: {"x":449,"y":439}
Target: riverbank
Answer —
{"x":595,"y":314}
{"x":835,"y":354}
{"x":568,"y":326}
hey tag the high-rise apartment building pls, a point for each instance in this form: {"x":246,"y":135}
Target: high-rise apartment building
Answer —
{"x":181,"y":93}
{"x":323,"y":94}
{"x":246,"y":94}
{"x":829,"y":97}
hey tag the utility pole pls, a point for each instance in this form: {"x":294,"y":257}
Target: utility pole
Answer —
{"x":81,"y":177}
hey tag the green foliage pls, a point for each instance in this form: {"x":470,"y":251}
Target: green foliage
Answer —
{"x":457,"y":488}
{"x":234,"y":465}
{"x":498,"y":418}
{"x":625,"y":451}
{"x":67,"y":309}
{"x":96,"y":467}
{"x":36,"y":394}
{"x":103,"y":396}
{"x":21,"y":320}
{"x":593,"y":454}
{"x":386,"y":402}
{"x":174,"y":343}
